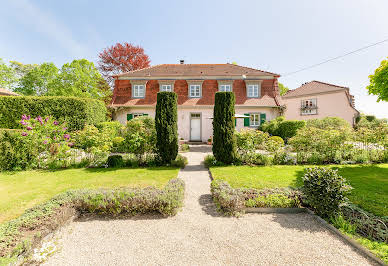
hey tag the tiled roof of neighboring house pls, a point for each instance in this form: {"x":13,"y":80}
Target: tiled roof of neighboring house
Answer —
{"x":265,"y":101}
{"x":195,"y":70}
{"x":4,"y":92}
{"x":313,"y":87}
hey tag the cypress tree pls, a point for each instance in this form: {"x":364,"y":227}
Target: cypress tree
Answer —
{"x":166,"y":126}
{"x":224,"y":140}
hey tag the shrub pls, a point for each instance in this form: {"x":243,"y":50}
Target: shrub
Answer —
{"x":228,"y":200}
{"x":285,"y":129}
{"x":113,"y":128}
{"x":210,"y":160}
{"x":76,"y":112}
{"x":255,"y":159}
{"x":248,"y":140}
{"x":180,"y":161}
{"x":274,"y":143}
{"x":224,"y":140}
{"x":117,"y":144}
{"x":324,"y":190}
{"x":166,"y":126}
{"x":284,"y":158}
{"x":275,"y":200}
{"x":329,"y":123}
{"x":185,"y":147}
{"x":115,"y":161}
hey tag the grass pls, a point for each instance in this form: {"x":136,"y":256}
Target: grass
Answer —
{"x":370,"y":182}
{"x":22,"y":190}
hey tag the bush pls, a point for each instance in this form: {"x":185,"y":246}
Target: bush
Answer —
{"x":76,"y":112}
{"x":115,"y":161}
{"x":276,"y":200}
{"x":285,"y":129}
{"x":255,"y":159}
{"x":324,"y":190}
{"x":180,"y":161}
{"x":166,"y":126}
{"x":329,"y":123}
{"x":228,"y":200}
{"x":274,"y":143}
{"x":284,"y":158}
{"x":185,"y":148}
{"x":113,"y":128}
{"x":249,"y":140}
{"x":224,"y":140}
{"x":18,"y":236}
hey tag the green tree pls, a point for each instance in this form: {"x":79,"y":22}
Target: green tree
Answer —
{"x":283,"y":89}
{"x":166,"y":126}
{"x":79,"y":78}
{"x":8,"y":76}
{"x":224,"y":139}
{"x":379,"y":82}
{"x":21,"y":69}
{"x":38,"y":80}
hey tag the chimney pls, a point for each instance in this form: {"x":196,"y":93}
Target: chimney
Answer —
{"x":181,"y":61}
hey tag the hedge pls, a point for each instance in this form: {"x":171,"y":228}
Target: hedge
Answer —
{"x":21,"y":235}
{"x":76,"y":112}
{"x":166,"y":124}
{"x":224,"y":139}
{"x":285,"y":129}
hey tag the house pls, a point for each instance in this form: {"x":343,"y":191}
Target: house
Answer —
{"x":4,"y":92}
{"x":257,"y":95}
{"x":318,"y":99}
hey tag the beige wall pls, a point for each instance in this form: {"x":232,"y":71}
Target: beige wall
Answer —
{"x":206,"y":113}
{"x":329,"y":105}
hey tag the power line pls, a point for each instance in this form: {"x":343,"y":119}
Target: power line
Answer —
{"x":335,"y":58}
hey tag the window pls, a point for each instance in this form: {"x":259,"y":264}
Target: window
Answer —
{"x":131,"y":116}
{"x":138,"y":91}
{"x":137,"y":115}
{"x":309,"y":107}
{"x":195,"y":91}
{"x":166,"y":87}
{"x":254,"y":120}
{"x":253,"y":90}
{"x":225,"y":87}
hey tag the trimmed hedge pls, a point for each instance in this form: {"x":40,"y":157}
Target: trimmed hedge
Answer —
{"x":224,"y":139}
{"x":285,"y":129}
{"x":19,"y":236}
{"x":76,"y":112}
{"x":166,"y":124}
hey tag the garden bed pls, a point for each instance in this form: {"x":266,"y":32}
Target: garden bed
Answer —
{"x":19,"y":236}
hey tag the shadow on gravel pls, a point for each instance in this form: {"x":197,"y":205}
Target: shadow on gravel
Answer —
{"x":208,"y":205}
{"x":193,"y":168}
{"x":94,"y":217}
{"x":200,"y":148}
{"x":299,"y":221}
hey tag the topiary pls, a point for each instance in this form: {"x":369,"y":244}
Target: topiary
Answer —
{"x":166,"y":126}
{"x":115,"y":161}
{"x":224,"y":139}
{"x":324,"y":190}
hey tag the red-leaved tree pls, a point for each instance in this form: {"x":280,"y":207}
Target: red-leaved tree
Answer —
{"x":121,"y":58}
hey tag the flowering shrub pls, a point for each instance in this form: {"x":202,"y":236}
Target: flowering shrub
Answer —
{"x":249,"y":140}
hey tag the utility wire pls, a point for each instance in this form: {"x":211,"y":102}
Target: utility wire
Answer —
{"x":335,"y":58}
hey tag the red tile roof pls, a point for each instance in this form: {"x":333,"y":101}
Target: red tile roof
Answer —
{"x":195,"y":70}
{"x":4,"y":92}
{"x":313,"y":87}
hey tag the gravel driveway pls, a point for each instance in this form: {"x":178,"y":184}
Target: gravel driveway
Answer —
{"x":199,"y":236}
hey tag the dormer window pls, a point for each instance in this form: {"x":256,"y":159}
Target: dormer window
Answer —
{"x":166,"y":87}
{"x":253,"y":89}
{"x":195,"y":91}
{"x":225,"y":85}
{"x":138,"y":91}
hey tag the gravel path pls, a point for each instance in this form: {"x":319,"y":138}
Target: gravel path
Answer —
{"x":199,"y":236}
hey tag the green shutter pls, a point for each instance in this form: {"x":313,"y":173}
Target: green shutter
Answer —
{"x":235,"y":122}
{"x":145,"y":114}
{"x":246,"y":120}
{"x":263,"y":118}
{"x":129,"y":117}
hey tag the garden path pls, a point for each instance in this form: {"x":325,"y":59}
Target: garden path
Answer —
{"x":199,"y":235}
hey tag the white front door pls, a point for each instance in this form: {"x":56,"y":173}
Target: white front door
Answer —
{"x":195,"y":127}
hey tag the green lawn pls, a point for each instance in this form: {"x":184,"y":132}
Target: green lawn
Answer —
{"x":22,"y":190}
{"x":370,"y":182}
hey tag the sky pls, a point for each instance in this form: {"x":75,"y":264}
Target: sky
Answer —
{"x":276,"y":36}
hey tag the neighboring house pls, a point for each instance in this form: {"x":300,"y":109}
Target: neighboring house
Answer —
{"x":4,"y":92}
{"x":317,"y":99}
{"x":257,"y":95}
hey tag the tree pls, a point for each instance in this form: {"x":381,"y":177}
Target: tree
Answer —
{"x":21,"y":69}
{"x":224,"y":140}
{"x":38,"y":80}
{"x":379,"y":82}
{"x":166,"y":126}
{"x":80,"y":78}
{"x":120,"y":58}
{"x":8,"y":76}
{"x":283,"y":89}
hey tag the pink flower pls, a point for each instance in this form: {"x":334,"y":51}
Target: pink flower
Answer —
{"x":56,"y":123}
{"x":65,"y":128}
{"x":29,"y":128}
{"x":66,"y":136}
{"x":24,"y":134}
{"x":39,"y":118}
{"x":23,"y":123}
{"x":46,"y":119}
{"x":70,"y":144}
{"x":45,"y":142}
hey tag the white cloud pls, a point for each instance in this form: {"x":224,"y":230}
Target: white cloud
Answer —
{"x":45,"y":23}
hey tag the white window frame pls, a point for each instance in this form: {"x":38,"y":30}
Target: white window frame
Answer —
{"x":253,"y":90}
{"x":254,"y":124}
{"x":135,"y":115}
{"x":136,"y":93}
{"x":312,"y":107}
{"x":225,"y":87}
{"x":197,"y":94}
{"x":166,"y":87}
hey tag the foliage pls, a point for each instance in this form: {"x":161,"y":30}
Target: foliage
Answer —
{"x":379,"y":82}
{"x":228,"y":200}
{"x":329,"y":123}
{"x":8,"y":76}
{"x":184,"y":147}
{"x":285,"y":129}
{"x":255,"y":159}
{"x":91,"y":139}
{"x":283,"y":89}
{"x":115,"y":161}
{"x":275,"y":198}
{"x":166,"y":124}
{"x":180,"y":161}
{"x":114,"y":128}
{"x":35,"y":223}
{"x":282,"y":158}
{"x":224,"y":139}
{"x":249,"y":140}
{"x":324,"y":190}
{"x":121,"y":58}
{"x":37,"y":80}
{"x":274,"y":144}
{"x":75,"y":112}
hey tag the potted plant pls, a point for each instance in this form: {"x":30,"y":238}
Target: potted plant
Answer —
{"x":181,"y":141}
{"x":209,"y":141}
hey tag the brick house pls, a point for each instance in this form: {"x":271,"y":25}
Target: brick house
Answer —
{"x":257,"y":95}
{"x":318,"y":99}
